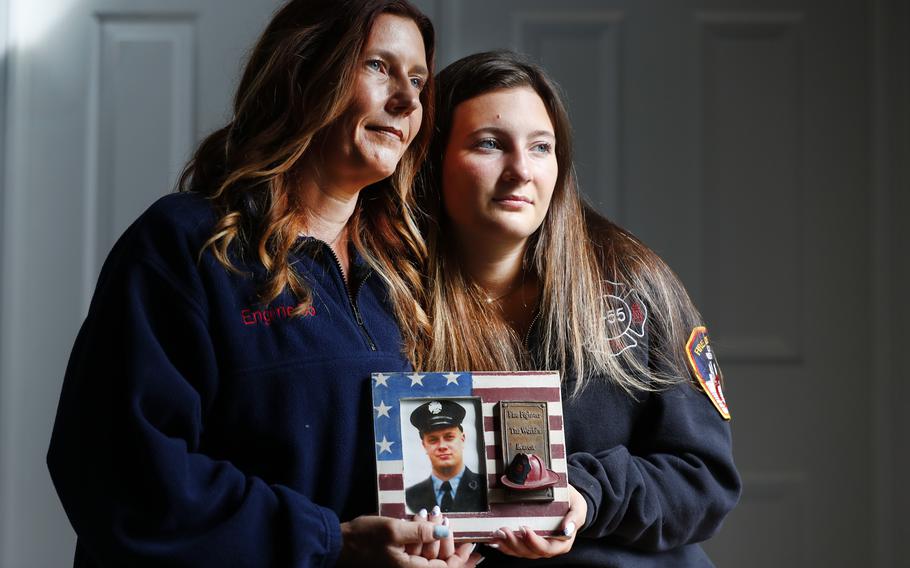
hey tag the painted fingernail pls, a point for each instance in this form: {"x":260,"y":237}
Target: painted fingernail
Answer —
{"x":440,"y":531}
{"x":473,"y":547}
{"x":422,"y":513}
{"x":499,"y":534}
{"x":436,"y":510}
{"x":570,"y":528}
{"x":493,"y":545}
{"x":482,"y":558}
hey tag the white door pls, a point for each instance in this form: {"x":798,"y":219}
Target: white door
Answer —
{"x":107,"y":99}
{"x":733,"y":138}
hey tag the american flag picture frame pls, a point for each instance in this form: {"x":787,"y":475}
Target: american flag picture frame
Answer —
{"x":403,"y":402}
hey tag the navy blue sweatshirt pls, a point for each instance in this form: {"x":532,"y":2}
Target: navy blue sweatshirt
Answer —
{"x":656,"y":472}
{"x":199,"y":428}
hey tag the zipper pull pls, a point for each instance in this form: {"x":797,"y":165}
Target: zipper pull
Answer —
{"x":357,"y":314}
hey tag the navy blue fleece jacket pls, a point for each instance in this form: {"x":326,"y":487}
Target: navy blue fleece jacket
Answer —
{"x":199,"y":428}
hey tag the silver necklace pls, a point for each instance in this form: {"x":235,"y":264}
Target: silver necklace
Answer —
{"x":512,"y":289}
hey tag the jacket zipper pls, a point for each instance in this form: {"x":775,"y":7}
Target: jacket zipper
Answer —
{"x":351,"y":299}
{"x":530,"y":327}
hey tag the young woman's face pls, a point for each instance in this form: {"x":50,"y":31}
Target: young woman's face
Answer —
{"x":499,"y":168}
{"x":366,"y":143}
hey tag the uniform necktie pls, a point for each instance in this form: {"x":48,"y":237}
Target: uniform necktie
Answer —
{"x":447,"y":500}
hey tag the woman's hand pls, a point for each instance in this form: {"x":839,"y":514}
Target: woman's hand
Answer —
{"x":442,"y":548}
{"x":384,"y":542}
{"x":528,"y":544}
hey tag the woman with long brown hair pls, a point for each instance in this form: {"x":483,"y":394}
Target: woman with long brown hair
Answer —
{"x":214,"y":410}
{"x":522,"y":274}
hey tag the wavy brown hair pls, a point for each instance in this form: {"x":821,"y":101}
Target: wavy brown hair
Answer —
{"x":298,"y":80}
{"x":576,"y":255}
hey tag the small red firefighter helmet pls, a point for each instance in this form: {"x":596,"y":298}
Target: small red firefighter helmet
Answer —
{"x":527,"y":472}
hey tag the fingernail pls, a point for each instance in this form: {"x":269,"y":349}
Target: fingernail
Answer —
{"x":499,"y":534}
{"x":570,"y":528}
{"x":482,"y":558}
{"x":473,"y":547}
{"x":440,"y":531}
{"x":524,"y":532}
{"x":422,"y":513}
{"x":436,"y":510}
{"x":493,"y":545}
{"x":445,"y":521}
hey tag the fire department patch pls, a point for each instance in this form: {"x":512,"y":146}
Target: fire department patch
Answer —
{"x":626,"y":317}
{"x":707,"y":371}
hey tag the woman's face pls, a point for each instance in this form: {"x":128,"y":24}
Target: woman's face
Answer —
{"x":499,"y":168}
{"x":366,"y":143}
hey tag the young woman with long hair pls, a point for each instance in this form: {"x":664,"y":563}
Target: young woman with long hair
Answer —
{"x":522,"y":274}
{"x":214,"y":410}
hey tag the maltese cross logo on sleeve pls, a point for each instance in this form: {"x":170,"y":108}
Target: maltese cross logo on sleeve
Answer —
{"x":625,"y":319}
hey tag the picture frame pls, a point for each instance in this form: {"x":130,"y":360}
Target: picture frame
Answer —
{"x":496,"y":437}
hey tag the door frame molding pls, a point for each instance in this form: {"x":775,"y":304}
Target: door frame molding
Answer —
{"x":890,"y":175}
{"x":7,"y":188}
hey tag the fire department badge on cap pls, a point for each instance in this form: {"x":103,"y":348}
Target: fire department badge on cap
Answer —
{"x":437,"y":414}
{"x":707,"y":371}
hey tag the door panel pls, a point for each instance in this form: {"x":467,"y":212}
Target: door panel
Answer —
{"x":108,"y":98}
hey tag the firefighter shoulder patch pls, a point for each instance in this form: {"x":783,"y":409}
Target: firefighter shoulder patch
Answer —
{"x":705,"y":368}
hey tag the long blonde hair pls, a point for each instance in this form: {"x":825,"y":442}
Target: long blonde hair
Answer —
{"x":298,"y":80}
{"x":576,"y":255}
